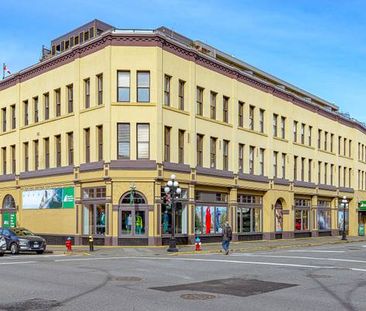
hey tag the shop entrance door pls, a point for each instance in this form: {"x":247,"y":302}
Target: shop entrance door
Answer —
{"x":88,"y":219}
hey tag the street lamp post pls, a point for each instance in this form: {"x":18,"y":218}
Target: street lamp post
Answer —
{"x":172,"y":188}
{"x":344,"y":202}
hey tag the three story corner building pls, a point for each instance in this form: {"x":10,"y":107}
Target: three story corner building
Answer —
{"x":91,"y":134}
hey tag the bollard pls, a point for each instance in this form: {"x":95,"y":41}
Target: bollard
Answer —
{"x":68,"y":245}
{"x":91,"y":243}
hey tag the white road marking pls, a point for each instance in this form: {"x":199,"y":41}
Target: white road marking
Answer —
{"x":313,"y":251}
{"x":356,"y":269}
{"x":35,"y":256}
{"x":300,"y":257}
{"x":16,"y":262}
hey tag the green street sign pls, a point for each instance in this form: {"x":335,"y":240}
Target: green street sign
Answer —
{"x":9,"y":220}
{"x":362,"y":206}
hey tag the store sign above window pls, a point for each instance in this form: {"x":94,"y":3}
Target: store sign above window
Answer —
{"x":362,"y":206}
{"x":49,"y":198}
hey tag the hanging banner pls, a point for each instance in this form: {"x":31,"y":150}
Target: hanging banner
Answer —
{"x":49,"y":198}
{"x":9,"y":220}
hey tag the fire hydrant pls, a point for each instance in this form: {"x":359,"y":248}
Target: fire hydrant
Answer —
{"x":91,"y":243}
{"x":198,"y":244}
{"x":68,"y":244}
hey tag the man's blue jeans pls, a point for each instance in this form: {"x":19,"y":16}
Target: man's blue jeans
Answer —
{"x":225,"y":245}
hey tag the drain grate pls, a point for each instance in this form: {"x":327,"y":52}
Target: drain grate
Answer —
{"x":30,"y":305}
{"x":127,"y":279}
{"x":233,"y":286}
{"x":197,"y":296}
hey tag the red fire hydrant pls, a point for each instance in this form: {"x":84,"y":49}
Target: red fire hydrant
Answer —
{"x":68,"y":245}
{"x":198,"y":244}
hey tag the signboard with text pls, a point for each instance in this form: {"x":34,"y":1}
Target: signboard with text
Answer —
{"x":49,"y":198}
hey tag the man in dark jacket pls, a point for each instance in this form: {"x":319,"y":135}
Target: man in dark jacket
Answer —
{"x":227,"y":235}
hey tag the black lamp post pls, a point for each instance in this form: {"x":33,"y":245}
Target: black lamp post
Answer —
{"x":344,"y":202}
{"x":172,"y":188}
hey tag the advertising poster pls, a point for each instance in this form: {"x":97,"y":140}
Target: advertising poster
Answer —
{"x":9,"y":220}
{"x":49,"y":198}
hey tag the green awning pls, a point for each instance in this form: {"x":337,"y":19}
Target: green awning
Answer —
{"x":362,"y":206}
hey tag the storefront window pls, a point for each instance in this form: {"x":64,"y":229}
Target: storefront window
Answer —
{"x":210,"y":219}
{"x":323,"y":215}
{"x":126,"y":222}
{"x":9,"y":214}
{"x":249,"y":213}
{"x":94,"y":211}
{"x":100,"y":213}
{"x":302,"y":212}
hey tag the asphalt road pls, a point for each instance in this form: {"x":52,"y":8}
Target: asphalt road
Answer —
{"x":319,"y":278}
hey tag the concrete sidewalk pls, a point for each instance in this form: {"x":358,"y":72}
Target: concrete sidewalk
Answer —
{"x":242,"y":246}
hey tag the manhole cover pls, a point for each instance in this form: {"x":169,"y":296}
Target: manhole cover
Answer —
{"x":197,"y":296}
{"x":30,"y":304}
{"x":127,"y":279}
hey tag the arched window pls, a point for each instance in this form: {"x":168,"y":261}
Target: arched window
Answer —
{"x":278,"y":216}
{"x":8,"y":202}
{"x":132,"y":197}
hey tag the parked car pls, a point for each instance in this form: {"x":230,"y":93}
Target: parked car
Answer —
{"x":2,"y":246}
{"x":21,"y":239}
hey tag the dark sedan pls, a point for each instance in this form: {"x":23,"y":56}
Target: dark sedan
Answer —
{"x":21,"y":239}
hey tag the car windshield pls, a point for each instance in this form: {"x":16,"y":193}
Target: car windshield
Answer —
{"x":22,"y":232}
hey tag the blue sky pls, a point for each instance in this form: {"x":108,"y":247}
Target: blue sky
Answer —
{"x":317,"y":45}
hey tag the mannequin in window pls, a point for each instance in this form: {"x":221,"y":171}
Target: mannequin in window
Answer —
{"x":165,"y":222}
{"x":139,"y":224}
{"x":129,"y":223}
{"x":208,"y":220}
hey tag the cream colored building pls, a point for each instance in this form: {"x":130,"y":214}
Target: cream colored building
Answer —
{"x":107,"y":110}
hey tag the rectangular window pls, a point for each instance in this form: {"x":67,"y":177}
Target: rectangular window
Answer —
{"x":295,"y":167}
{"x":344,"y":176}
{"x":261,"y":161}
{"x":46,"y":142}
{"x":251,"y":160}
{"x":181,"y":94}
{"x":295,"y":131}
{"x":46,"y":103}
{"x":241,"y":158}
{"x":35,"y":109}
{"x":275,"y":159}
{"x":331,"y":142}
{"x":199,"y":150}
{"x":350,"y":177}
{"x":325,"y":173}
{"x":302,"y":169}
{"x":309,"y":135}
{"x":339,"y":175}
{"x":58,"y":102}
{"x":275,"y":120}
{"x":331,"y":174}
{"x":225,"y":154}
{"x":213,"y":141}
{"x":13,"y":117}
{"x":302,"y":134}
{"x":123,"y":89}
{"x":87,"y":93}
{"x":283,"y":165}
{"x":225,"y":109}
{"x":70,"y":148}
{"x":319,"y":139}
{"x":325,"y":140}
{"x":100,"y":142}
{"x":283,"y":127}
{"x":261,"y":120}
{"x":87,"y":144}
{"x":350,"y":148}
{"x":58,"y":150}
{"x":181,"y":146}
{"x":241,"y":114}
{"x":26,"y":157}
{"x":167,"y":90}
{"x":26,"y":112}
{"x":309,"y":170}
{"x":143,"y":86}
{"x":123,"y":133}
{"x":199,"y":100}
{"x":3,"y":116}
{"x":344,"y":146}
{"x":319,"y":172}
{"x":13,"y":159}
{"x":251,"y":117}
{"x":167,"y":143}
{"x":339,"y":144}
{"x":3,"y":155}
{"x":70,"y":98}
{"x":143,"y":141}
{"x":100,"y":89}
{"x":213,"y":96}
{"x":36,"y":154}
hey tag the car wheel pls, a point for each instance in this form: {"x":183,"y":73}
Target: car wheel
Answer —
{"x":40,"y":252}
{"x":14,"y":249}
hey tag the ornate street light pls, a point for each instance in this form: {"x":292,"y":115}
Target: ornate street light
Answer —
{"x":172,"y":188}
{"x":345,"y":203}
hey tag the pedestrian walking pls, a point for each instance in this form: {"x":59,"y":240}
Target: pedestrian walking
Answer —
{"x":227,"y":235}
